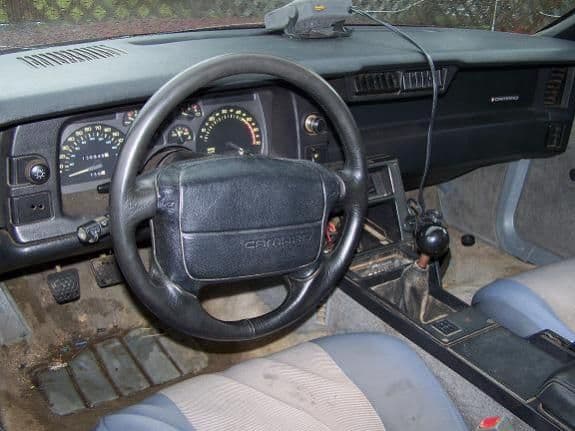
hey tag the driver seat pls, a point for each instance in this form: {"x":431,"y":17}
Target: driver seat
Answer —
{"x":344,"y":382}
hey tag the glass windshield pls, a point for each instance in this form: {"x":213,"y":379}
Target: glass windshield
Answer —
{"x":27,"y":23}
{"x":517,"y":16}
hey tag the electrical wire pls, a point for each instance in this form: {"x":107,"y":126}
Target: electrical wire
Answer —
{"x":403,"y":9}
{"x":429,"y":59}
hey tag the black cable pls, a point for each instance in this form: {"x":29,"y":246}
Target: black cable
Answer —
{"x":428,"y":146}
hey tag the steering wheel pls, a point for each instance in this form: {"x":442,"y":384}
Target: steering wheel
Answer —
{"x":230,"y":218}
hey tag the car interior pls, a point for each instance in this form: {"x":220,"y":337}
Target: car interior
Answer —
{"x":320,"y":222}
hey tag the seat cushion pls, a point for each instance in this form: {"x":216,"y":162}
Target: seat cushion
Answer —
{"x":537,"y":300}
{"x":346,"y":382}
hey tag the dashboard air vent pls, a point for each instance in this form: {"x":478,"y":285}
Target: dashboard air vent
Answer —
{"x":377,"y":83}
{"x":70,"y":56}
{"x":417,"y":80}
{"x":554,"y":86}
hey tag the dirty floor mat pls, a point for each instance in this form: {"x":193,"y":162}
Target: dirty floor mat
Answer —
{"x":471,"y":268}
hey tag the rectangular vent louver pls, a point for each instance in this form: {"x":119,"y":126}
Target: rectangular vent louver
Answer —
{"x":417,"y":80}
{"x":377,"y":83}
{"x":554,"y":86}
{"x":554,"y":140}
{"x":70,"y":56}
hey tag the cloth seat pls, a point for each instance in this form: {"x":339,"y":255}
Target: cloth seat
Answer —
{"x":536,"y":300}
{"x":345,"y":382}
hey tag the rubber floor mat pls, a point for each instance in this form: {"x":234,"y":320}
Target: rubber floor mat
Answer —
{"x":116,"y":367}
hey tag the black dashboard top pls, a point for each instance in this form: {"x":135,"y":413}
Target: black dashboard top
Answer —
{"x":144,"y":63}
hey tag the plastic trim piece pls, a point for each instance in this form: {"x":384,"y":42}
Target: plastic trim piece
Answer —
{"x":507,"y":236}
{"x":13,"y":325}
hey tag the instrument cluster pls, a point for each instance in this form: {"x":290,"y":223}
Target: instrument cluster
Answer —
{"x":89,"y":147}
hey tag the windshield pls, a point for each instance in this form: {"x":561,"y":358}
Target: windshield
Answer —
{"x":27,"y":23}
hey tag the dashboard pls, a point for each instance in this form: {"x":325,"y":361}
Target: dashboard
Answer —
{"x":60,"y":169}
{"x":502,"y":97}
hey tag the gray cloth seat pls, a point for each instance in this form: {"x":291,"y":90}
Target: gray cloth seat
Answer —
{"x":345,"y":382}
{"x":536,"y":300}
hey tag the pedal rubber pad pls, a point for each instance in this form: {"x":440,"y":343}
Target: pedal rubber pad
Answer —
{"x":106,"y":271}
{"x":64,"y":285}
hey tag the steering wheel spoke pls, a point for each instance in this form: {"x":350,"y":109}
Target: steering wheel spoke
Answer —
{"x":140,"y":201}
{"x":308,"y":271}
{"x":350,"y":184}
{"x":302,"y":286}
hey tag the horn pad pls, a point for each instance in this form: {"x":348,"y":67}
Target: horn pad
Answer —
{"x":233,"y":217}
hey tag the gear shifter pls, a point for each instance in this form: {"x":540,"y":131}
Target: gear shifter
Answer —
{"x":431,"y":237}
{"x":432,"y":241}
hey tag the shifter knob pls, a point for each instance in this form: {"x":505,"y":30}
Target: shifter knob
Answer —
{"x":432,"y":240}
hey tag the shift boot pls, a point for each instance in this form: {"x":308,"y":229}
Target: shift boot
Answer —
{"x":414,"y":292}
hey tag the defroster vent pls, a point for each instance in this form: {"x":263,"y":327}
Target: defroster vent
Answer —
{"x":70,"y":56}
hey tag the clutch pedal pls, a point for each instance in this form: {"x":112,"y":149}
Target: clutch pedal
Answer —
{"x":64,"y":285}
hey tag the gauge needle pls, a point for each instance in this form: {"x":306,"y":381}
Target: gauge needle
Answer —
{"x":241,"y":151}
{"x":86,"y":170}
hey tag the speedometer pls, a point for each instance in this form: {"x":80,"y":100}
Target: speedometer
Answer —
{"x":89,"y":154}
{"x":229,"y":129}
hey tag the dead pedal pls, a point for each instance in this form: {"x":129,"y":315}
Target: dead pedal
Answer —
{"x":64,"y":285}
{"x":106,"y":271}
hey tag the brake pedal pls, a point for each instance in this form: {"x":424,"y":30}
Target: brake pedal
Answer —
{"x":64,"y":285}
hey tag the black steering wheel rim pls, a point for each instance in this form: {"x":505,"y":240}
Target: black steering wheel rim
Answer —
{"x":132,"y":201}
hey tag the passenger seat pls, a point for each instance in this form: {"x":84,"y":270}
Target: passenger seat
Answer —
{"x":534,"y":301}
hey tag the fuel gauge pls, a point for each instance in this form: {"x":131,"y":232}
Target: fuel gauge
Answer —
{"x":129,"y":117}
{"x":180,"y":135}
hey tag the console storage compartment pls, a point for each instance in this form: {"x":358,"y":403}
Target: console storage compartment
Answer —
{"x":557,"y":396}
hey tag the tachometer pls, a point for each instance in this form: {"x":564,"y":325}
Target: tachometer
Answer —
{"x":229,"y":129}
{"x":89,"y":153}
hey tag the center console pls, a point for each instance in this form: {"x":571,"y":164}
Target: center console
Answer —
{"x":386,"y":245}
{"x":534,"y":378}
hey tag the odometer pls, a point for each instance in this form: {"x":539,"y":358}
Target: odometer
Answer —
{"x":229,"y":129}
{"x":89,"y":153}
